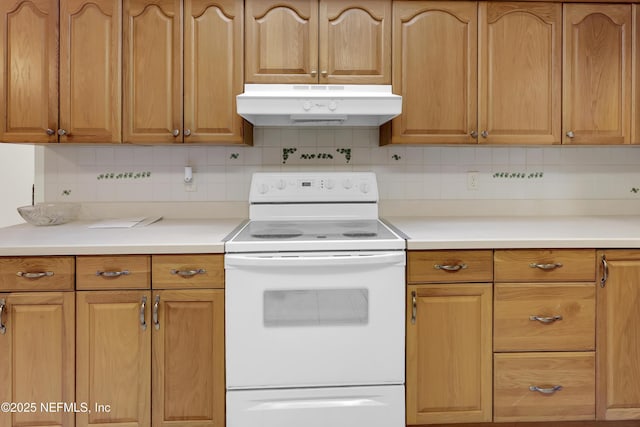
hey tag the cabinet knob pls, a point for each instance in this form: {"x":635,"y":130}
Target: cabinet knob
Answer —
{"x":324,"y":73}
{"x":62,"y":132}
{"x":187,"y":132}
{"x":176,"y":132}
{"x":51,"y":132}
{"x":484,"y":134}
{"x":570,"y":134}
{"x":474,"y":134}
{"x":314,"y":73}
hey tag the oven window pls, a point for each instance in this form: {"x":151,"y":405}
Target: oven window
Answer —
{"x":316,"y":307}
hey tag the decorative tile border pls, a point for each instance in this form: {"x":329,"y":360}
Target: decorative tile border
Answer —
{"x":518,"y":175}
{"x":124,"y":175}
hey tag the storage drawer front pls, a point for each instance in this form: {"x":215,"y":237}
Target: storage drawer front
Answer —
{"x":187,"y":271}
{"x":450,"y":266}
{"x":543,"y":265}
{"x":37,"y":273}
{"x":526,"y":317}
{"x":113,"y":272}
{"x":514,"y":374}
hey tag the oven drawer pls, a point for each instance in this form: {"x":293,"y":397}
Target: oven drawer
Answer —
{"x":544,"y":386}
{"x":545,"y":265}
{"x":544,"y":316}
{"x":449,"y":266}
{"x":381,"y":406}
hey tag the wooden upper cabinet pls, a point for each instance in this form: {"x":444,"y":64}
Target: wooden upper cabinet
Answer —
{"x":29,"y":69}
{"x":520,"y":73}
{"x":90,"y":71}
{"x":311,"y":41}
{"x":597,"y":74}
{"x":435,"y":71}
{"x":355,"y":41}
{"x":635,"y":104}
{"x":213,"y":70}
{"x":152,"y":105}
{"x":281,"y":41}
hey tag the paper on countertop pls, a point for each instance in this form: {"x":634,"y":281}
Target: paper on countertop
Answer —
{"x":141,"y":221}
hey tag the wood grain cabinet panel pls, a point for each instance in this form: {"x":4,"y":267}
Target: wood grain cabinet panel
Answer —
{"x":435,"y":51}
{"x":188,"y":359}
{"x":450,"y":266}
{"x":544,"y":317}
{"x":635,"y":102}
{"x":520,"y":73}
{"x":597,"y":74}
{"x":56,"y":273}
{"x":90,"y":71}
{"x":29,"y":69}
{"x":188,"y":271}
{"x":545,"y":265}
{"x":571,"y":374}
{"x":113,"y":330}
{"x":37,"y":358}
{"x":113,"y":272}
{"x":449,"y":353}
{"x":618,"y":331}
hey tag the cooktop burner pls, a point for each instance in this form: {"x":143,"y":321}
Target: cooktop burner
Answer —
{"x":277,"y":234}
{"x":360,"y":234}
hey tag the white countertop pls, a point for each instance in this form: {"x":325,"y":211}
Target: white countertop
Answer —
{"x":519,"y":232}
{"x":167,"y":236}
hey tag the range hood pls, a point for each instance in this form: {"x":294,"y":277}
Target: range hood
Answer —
{"x":318,"y":105}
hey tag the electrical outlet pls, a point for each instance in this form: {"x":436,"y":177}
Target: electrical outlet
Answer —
{"x":190,"y":187}
{"x":472,"y":180}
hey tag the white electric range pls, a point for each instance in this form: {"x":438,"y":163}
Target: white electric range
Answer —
{"x":314,"y":306}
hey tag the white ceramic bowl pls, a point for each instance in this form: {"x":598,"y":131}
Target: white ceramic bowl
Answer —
{"x":49,"y":213}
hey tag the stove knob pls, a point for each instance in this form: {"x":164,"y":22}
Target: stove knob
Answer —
{"x":281,"y":184}
{"x":306,"y":105}
{"x":347,"y":184}
{"x":263,"y":188}
{"x":330,"y":184}
{"x":333,"y":105}
{"x":364,"y":187}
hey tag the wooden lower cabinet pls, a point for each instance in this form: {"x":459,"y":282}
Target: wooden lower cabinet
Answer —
{"x":618,"y":332}
{"x":151,"y":359}
{"x":449,"y":353}
{"x":188,"y":359}
{"x":37,"y":357}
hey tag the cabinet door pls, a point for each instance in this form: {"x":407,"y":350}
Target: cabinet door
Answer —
{"x":355,"y":42}
{"x":213,"y":70}
{"x":29,"y":69}
{"x":618,"y":342}
{"x":152,"y":45}
{"x":435,"y":71}
{"x":596,"y":87}
{"x":90,"y":70}
{"x":37,"y":357}
{"x":635,"y":103}
{"x":282,"y":41}
{"x":188,"y":359}
{"x":449,"y":353}
{"x":520,"y":63}
{"x":113,"y":330}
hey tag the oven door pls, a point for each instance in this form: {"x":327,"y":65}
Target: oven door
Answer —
{"x":314,"y":319}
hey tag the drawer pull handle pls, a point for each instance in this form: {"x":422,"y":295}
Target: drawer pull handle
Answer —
{"x":605,"y":272}
{"x":143,"y":305}
{"x":188,"y":273}
{"x":450,"y":267}
{"x":3,"y":328}
{"x":546,"y":320}
{"x":543,"y":390}
{"x":110,"y":274}
{"x":550,"y":266}
{"x":38,"y":275}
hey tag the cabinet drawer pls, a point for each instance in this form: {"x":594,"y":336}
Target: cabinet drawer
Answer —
{"x":449,"y":266}
{"x":37,"y":273}
{"x":187,"y":271}
{"x":544,"y":265}
{"x":113,"y":272}
{"x":544,"y":316}
{"x":516,"y":374}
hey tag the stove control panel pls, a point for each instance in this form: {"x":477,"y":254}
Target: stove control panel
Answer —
{"x":321,"y":187}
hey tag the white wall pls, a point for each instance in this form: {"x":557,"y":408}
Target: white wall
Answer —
{"x":16,"y":178}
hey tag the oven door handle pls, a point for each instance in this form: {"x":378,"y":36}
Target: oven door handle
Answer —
{"x":279,"y":260}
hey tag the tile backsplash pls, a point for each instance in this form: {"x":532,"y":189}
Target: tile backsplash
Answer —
{"x":222,"y":173}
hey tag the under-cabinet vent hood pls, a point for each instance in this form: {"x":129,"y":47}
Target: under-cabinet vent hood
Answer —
{"x":318,"y":105}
